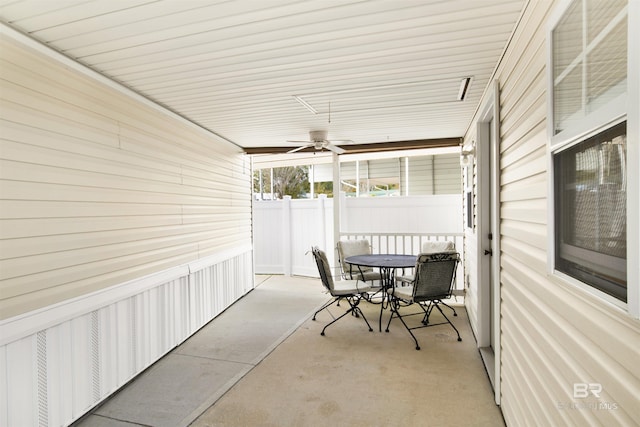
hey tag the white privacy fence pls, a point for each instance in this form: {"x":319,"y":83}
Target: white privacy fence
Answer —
{"x":285,"y":230}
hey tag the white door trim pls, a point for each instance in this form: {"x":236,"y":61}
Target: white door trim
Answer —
{"x":488,"y":182}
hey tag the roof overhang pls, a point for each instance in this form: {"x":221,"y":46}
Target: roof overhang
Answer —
{"x":369,"y":148}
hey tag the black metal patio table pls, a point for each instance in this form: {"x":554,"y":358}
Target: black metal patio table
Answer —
{"x":387,"y":263}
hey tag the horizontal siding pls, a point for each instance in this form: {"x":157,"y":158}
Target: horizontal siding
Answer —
{"x":440,"y":174}
{"x":553,"y":334}
{"x":420,"y":175}
{"x":448,"y":176}
{"x":99,"y":188}
{"x":384,"y":168}
{"x":347,"y":171}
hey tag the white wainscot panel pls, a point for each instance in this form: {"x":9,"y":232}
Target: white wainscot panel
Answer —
{"x":53,"y":376}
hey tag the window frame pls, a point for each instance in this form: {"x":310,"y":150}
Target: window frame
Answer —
{"x":614,"y":112}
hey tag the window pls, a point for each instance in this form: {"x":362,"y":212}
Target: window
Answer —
{"x":591,"y":211}
{"x":588,"y":141}
{"x":589,"y":55}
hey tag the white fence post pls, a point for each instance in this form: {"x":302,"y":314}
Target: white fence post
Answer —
{"x":286,"y":234}
{"x":322,"y":198}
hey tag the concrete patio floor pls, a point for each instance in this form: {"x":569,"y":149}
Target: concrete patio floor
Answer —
{"x":262,"y":362}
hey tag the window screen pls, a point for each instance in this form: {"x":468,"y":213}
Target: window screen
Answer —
{"x":591,"y":211}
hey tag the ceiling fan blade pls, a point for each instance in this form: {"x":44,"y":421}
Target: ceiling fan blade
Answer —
{"x":340,"y":141}
{"x":335,"y":149}
{"x":299,"y":148}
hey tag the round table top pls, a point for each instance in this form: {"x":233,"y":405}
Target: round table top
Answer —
{"x":383,"y":260}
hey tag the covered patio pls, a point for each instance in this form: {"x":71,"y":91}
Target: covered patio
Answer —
{"x":263,"y":363}
{"x":130,"y":132}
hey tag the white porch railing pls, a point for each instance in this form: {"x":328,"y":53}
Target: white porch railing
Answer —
{"x":411,"y":244}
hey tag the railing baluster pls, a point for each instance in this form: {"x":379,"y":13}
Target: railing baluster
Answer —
{"x":390,"y":243}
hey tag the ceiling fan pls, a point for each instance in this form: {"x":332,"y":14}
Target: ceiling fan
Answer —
{"x":318,"y":140}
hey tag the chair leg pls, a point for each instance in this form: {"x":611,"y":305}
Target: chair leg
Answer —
{"x":449,"y":321}
{"x":427,"y":312}
{"x":334,"y":321}
{"x":325,"y":306}
{"x":452,"y":309}
{"x":394,"y":310}
{"x":355,"y":310}
{"x":359,"y":312}
{"x":429,"y":307}
{"x":395,"y":304}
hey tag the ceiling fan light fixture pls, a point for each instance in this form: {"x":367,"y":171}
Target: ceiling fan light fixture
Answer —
{"x":305,"y":104}
{"x":318,"y":135}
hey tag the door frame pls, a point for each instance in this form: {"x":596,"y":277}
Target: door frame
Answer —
{"x":488,"y":221}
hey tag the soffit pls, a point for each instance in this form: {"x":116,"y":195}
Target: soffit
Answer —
{"x":375,"y":71}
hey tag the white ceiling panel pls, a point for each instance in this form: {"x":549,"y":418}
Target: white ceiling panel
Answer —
{"x":375,"y":71}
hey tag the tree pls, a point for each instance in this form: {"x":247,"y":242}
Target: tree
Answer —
{"x":324,"y":188}
{"x":287,"y":181}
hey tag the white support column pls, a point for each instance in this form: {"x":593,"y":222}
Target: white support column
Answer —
{"x":357,"y":178}
{"x":272,"y":198}
{"x":312,"y":180}
{"x":406,"y":176}
{"x":336,"y":209}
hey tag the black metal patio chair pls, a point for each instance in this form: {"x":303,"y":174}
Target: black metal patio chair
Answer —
{"x":434,"y":279}
{"x":350,"y":290}
{"x":347,"y":248}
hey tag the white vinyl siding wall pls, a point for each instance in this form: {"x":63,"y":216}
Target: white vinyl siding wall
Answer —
{"x":439,"y":174}
{"x":448,"y":176}
{"x":553,"y":335}
{"x":123,"y":230}
{"x":98,"y":189}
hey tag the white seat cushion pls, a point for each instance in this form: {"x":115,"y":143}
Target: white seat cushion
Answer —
{"x":435,"y":247}
{"x":349,"y":248}
{"x":402,"y":292}
{"x":405,"y":279}
{"x":368,"y":276}
{"x":349,"y":287}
